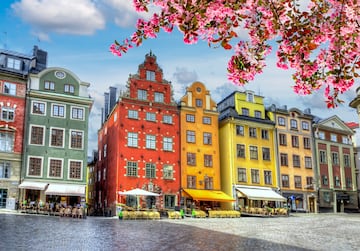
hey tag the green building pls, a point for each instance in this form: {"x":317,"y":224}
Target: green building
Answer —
{"x":56,"y":136}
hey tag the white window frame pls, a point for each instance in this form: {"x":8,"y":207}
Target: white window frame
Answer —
{"x":167,"y":144}
{"x":151,"y":116}
{"x":63,"y":137}
{"x":133,"y":114}
{"x":82,"y":139}
{"x":78,"y":108}
{"x":150,"y":75}
{"x":150,"y":141}
{"x":159,"y":97}
{"x":167,"y":119}
{"x":33,"y":102}
{"x":132,"y":139}
{"x":168,"y":174}
{"x":41,"y":166}
{"x":59,"y":108}
{"x":9,"y":111}
{"x":43,"y":137}
{"x":141,"y":94}
{"x":13,"y":63}
{"x":81,"y":169}
{"x":62,"y":168}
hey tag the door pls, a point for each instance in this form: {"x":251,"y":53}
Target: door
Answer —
{"x":3,"y":196}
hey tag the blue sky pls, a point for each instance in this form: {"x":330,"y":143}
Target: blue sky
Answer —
{"x":77,"y":35}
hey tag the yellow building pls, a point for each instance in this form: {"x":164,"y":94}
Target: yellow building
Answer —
{"x":200,"y":159}
{"x":295,"y":154}
{"x":248,"y":151}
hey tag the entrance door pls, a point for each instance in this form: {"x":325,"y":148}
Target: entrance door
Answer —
{"x":3,"y":196}
{"x":312,"y":205}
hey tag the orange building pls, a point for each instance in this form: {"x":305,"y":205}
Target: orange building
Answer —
{"x":200,"y":155}
{"x":138,"y":144}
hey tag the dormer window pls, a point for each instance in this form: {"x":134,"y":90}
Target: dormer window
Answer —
{"x":48,"y":85}
{"x":13,"y":63}
{"x":250,"y":97}
{"x":150,"y":75}
{"x":69,"y":88}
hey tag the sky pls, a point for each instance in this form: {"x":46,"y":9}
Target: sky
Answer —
{"x":77,"y":35}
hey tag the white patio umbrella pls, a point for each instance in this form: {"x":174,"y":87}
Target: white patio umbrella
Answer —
{"x":138,"y":192}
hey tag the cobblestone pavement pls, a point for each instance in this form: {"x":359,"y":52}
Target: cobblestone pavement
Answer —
{"x":297,"y":232}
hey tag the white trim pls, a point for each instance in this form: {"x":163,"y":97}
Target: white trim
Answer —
{"x":82,"y":139}
{"x":32,"y":105}
{"x":30,"y":132}
{"x":62,"y":168}
{"x":50,"y":137}
{"x":81,"y":169}
{"x":41,"y":168}
{"x":52,"y":114}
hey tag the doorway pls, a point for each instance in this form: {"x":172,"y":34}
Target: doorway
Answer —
{"x":3,"y":196}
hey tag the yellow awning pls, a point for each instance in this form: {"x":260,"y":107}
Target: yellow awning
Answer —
{"x":208,"y":195}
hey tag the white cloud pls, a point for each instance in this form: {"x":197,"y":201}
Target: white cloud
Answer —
{"x":80,"y":17}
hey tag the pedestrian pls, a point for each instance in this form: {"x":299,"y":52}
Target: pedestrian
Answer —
{"x":120,"y":213}
{"x":193,"y":213}
{"x":182,"y":213}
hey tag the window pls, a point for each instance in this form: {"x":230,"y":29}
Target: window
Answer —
{"x":131,"y":168}
{"x":150,"y":75}
{"x":34,"y":166}
{"x":208,"y":160}
{"x":207,"y":138}
{"x":266,"y":153}
{"x":5,"y":170}
{"x":167,"y":144}
{"x":245,"y":111}
{"x":6,"y":141}
{"x":307,"y":144}
{"x":240,"y":150}
{"x":167,"y":119}
{"x":284,"y":159}
{"x":132,"y":139}
{"x":133,"y":114}
{"x":9,"y":88}
{"x":13,"y":63}
{"x":267,"y":177}
{"x":159,"y":97}
{"x":75,"y":169}
{"x":308,"y":162}
{"x":296,"y":160}
{"x":191,"y":159}
{"x":190,"y":118}
{"x":168,"y":172}
{"x":207,"y":120}
{"x":169,"y":201}
{"x":346,"y":140}
{"x":191,"y":181}
{"x":208,"y":182}
{"x":258,"y":114}
{"x":239,"y":130}
{"x":250,"y":97}
{"x":336,"y":181}
{"x":309,"y":182}
{"x":77,"y":113}
{"x":49,"y":85}
{"x":76,"y":140}
{"x":255,"y":177}
{"x":151,"y":116}
{"x":37,"y":135}
{"x":322,"y":157}
{"x":58,"y":111}
{"x":333,"y":137}
{"x":294,"y":141}
{"x":324,"y":180}
{"x":142,"y":94}
{"x":305,"y":125}
{"x":335,"y":158}
{"x":282,"y":139}
{"x":321,"y":135}
{"x":69,"y":88}
{"x":348,"y":182}
{"x":57,"y":137}
{"x":297,"y":181}
{"x":281,"y":121}
{"x":190,"y":136}
{"x":347,"y":162}
{"x":7,"y":114}
{"x":150,"y":141}
{"x":285,"y":180}
{"x":55,"y":168}
{"x":252,"y":132}
{"x":264,"y":134}
{"x":150,"y":170}
{"x":199,"y":102}
{"x":293,"y":124}
{"x":241,"y":174}
{"x":38,"y":108}
{"x":253,"y":152}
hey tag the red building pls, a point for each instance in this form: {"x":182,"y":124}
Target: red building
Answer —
{"x":138,"y":144}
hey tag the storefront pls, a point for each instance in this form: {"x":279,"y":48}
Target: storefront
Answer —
{"x":32,"y":191}
{"x":65,"y":194}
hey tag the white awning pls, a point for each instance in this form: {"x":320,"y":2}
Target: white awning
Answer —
{"x":33,"y":185}
{"x":259,"y":193}
{"x":66,"y":190}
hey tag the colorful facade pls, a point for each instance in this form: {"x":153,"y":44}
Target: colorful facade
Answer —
{"x":139,"y":144}
{"x":295,"y":154}
{"x":200,"y":154}
{"x":56,"y":135}
{"x":247,"y":150}
{"x":335,"y":165}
